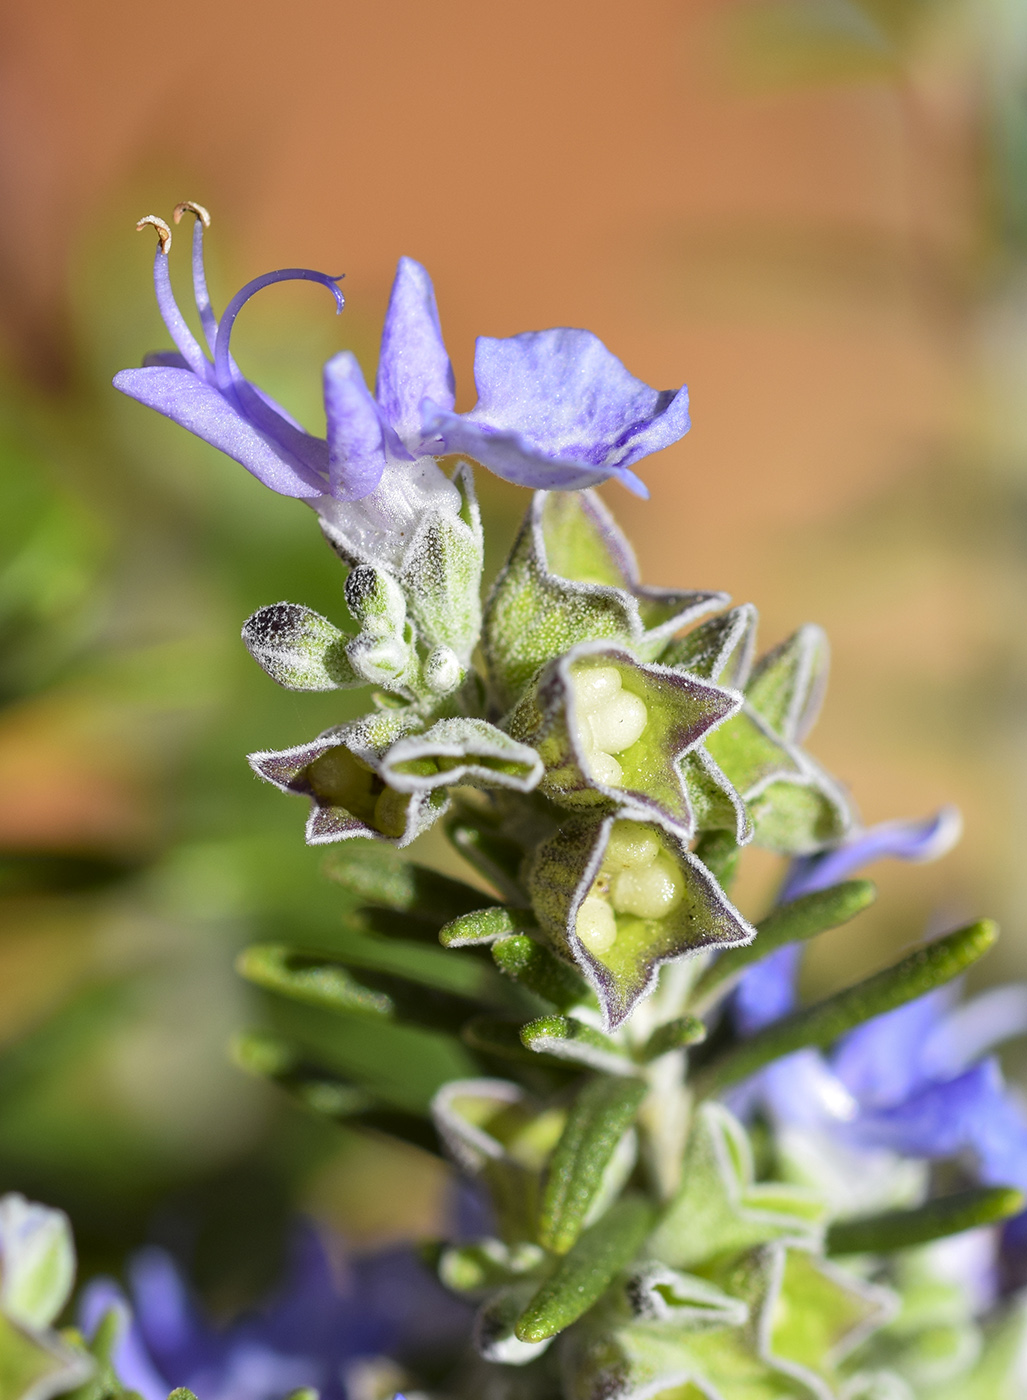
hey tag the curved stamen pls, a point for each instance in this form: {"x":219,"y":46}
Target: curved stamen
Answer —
{"x":233,"y":384}
{"x":190,"y":206}
{"x":163,"y":232}
{"x":207,"y":318}
{"x":188,"y":345}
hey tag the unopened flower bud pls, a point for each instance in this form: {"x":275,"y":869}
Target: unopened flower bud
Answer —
{"x":442,"y":671}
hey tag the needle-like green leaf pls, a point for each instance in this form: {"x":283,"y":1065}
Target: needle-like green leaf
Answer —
{"x":820,"y":1025}
{"x":583,"y":1276}
{"x":948,"y":1215}
{"x":601,"y":1114}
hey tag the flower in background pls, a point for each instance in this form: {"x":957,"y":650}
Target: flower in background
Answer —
{"x":913,"y":1085}
{"x":345,"y":1332}
{"x":555,"y":408}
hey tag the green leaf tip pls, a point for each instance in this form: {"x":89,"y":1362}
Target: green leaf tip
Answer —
{"x":485,"y":926}
{"x":902,"y":1229}
{"x":821,"y":1025}
{"x":566,"y":1038}
{"x":673,"y":1035}
{"x":600,"y":1116}
{"x":313,"y":979}
{"x":583,"y":1276}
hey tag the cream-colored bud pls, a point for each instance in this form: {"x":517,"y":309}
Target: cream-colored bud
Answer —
{"x":650,"y":892}
{"x":596,"y":925}
{"x":595,"y":685}
{"x":618,"y":723}
{"x":631,"y":846}
{"x":604,"y":768}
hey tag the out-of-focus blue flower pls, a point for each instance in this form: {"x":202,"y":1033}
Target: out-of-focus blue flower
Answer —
{"x":768,"y":990}
{"x":322,"y":1320}
{"x":556,"y":410}
{"x":914,"y":1082}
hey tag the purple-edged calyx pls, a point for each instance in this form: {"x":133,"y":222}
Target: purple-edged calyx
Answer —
{"x":620,"y":898}
{"x":387,"y":776}
{"x":613,"y":732}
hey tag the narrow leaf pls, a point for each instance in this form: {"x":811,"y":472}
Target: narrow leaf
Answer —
{"x":948,"y":1215}
{"x":673,"y":1035}
{"x":794,"y":922}
{"x":268,"y":1056}
{"x":536,"y":968}
{"x":601,"y":1114}
{"x":492,"y":1035}
{"x":583,"y":1276}
{"x":278,"y":968}
{"x":569,"y":1039}
{"x":485,"y":926}
{"x":930,"y":966}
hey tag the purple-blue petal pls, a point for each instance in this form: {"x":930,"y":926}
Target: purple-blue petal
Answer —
{"x":968,"y":1031}
{"x":171,"y":1326}
{"x":181,"y":396}
{"x":767,"y":991}
{"x":881,"y":1061}
{"x":899,"y":840}
{"x":972,"y":1113}
{"x":511,"y":456}
{"x":801,"y":1090}
{"x":356,"y":449}
{"x":413,"y":364}
{"x":560,"y":397}
{"x":132,"y":1362}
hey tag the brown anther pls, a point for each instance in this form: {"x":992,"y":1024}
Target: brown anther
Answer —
{"x":163,"y":232}
{"x":190,"y":206}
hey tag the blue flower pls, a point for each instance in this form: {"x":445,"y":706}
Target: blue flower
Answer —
{"x":768,"y":990}
{"x":555,"y":409}
{"x":322,"y":1322}
{"x":916,"y":1082}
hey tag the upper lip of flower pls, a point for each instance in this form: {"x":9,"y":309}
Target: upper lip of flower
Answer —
{"x":555,"y":410}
